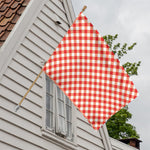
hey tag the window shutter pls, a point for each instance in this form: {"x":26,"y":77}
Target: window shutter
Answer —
{"x":58,"y":111}
{"x":49,"y":104}
{"x":69,"y":117}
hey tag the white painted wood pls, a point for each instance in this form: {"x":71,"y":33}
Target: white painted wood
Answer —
{"x":81,"y":148}
{"x":85,"y":133}
{"x":58,"y":3}
{"x":26,"y":136}
{"x":35,"y":48}
{"x":27,"y":63}
{"x":40,"y":42}
{"x":89,"y":137}
{"x":10,"y":139}
{"x":54,"y":8}
{"x":13,"y":41}
{"x":30,"y":55}
{"x":24,"y":72}
{"x":48,"y":39}
{"x":6,"y":146}
{"x":10,"y":73}
{"x":69,"y":12}
{"x":105,"y":137}
{"x":19,"y":90}
{"x":43,"y":17}
{"x":48,"y":31}
{"x":66,"y":144}
{"x":32,"y":41}
{"x":84,"y":125}
{"x":10,"y":96}
{"x":23,"y":112}
{"x":46,"y":10}
{"x":87,"y":144}
{"x":20,"y":122}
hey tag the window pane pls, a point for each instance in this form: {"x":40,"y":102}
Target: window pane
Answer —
{"x":69,"y":117}
{"x":61,"y":107}
{"x":49,"y":119}
{"x":49,"y":102}
{"x":49,"y":85}
{"x":69,"y":113}
{"x":62,"y":124}
{"x":69,"y":130}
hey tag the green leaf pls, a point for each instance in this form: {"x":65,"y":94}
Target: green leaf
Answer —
{"x":118,"y":126}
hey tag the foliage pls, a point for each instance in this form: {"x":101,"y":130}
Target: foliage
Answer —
{"x":120,"y":51}
{"x":117,"y":125}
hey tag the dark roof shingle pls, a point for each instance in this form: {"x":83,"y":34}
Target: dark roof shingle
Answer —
{"x":10,"y":11}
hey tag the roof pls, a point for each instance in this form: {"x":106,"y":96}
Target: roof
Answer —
{"x":129,"y":139}
{"x":132,"y":142}
{"x":10,"y":11}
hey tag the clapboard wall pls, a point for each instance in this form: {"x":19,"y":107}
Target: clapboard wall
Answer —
{"x":30,"y":44}
{"x":23,"y":130}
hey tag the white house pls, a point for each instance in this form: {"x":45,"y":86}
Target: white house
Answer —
{"x":30,"y":30}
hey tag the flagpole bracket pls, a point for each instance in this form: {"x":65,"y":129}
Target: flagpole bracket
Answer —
{"x":17,"y":108}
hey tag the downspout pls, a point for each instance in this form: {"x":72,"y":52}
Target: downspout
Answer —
{"x":105,"y":137}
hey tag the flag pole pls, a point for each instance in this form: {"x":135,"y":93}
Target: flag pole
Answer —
{"x":19,"y":104}
{"x":84,"y":8}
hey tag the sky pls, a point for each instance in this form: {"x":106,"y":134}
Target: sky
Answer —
{"x":131,"y":21}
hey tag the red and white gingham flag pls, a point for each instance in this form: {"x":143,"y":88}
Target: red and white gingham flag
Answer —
{"x":89,"y":74}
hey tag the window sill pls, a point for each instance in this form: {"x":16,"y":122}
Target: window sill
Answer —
{"x":59,"y":140}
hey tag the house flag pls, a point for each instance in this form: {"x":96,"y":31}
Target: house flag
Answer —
{"x":87,"y":71}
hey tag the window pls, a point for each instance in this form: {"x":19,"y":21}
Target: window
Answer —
{"x":58,"y":110}
{"x":49,"y":104}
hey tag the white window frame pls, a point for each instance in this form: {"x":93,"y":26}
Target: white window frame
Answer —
{"x":52,"y":133}
{"x":58,"y":123}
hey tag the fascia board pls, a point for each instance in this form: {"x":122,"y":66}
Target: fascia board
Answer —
{"x":18,"y":33}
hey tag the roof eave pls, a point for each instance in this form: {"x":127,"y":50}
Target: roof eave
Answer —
{"x":19,"y":31}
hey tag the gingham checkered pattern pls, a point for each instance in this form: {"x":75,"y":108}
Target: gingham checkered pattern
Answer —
{"x":89,"y":74}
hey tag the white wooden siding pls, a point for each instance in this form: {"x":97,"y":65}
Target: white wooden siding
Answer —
{"x":6,"y":146}
{"x":86,"y":135}
{"x":24,"y":130}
